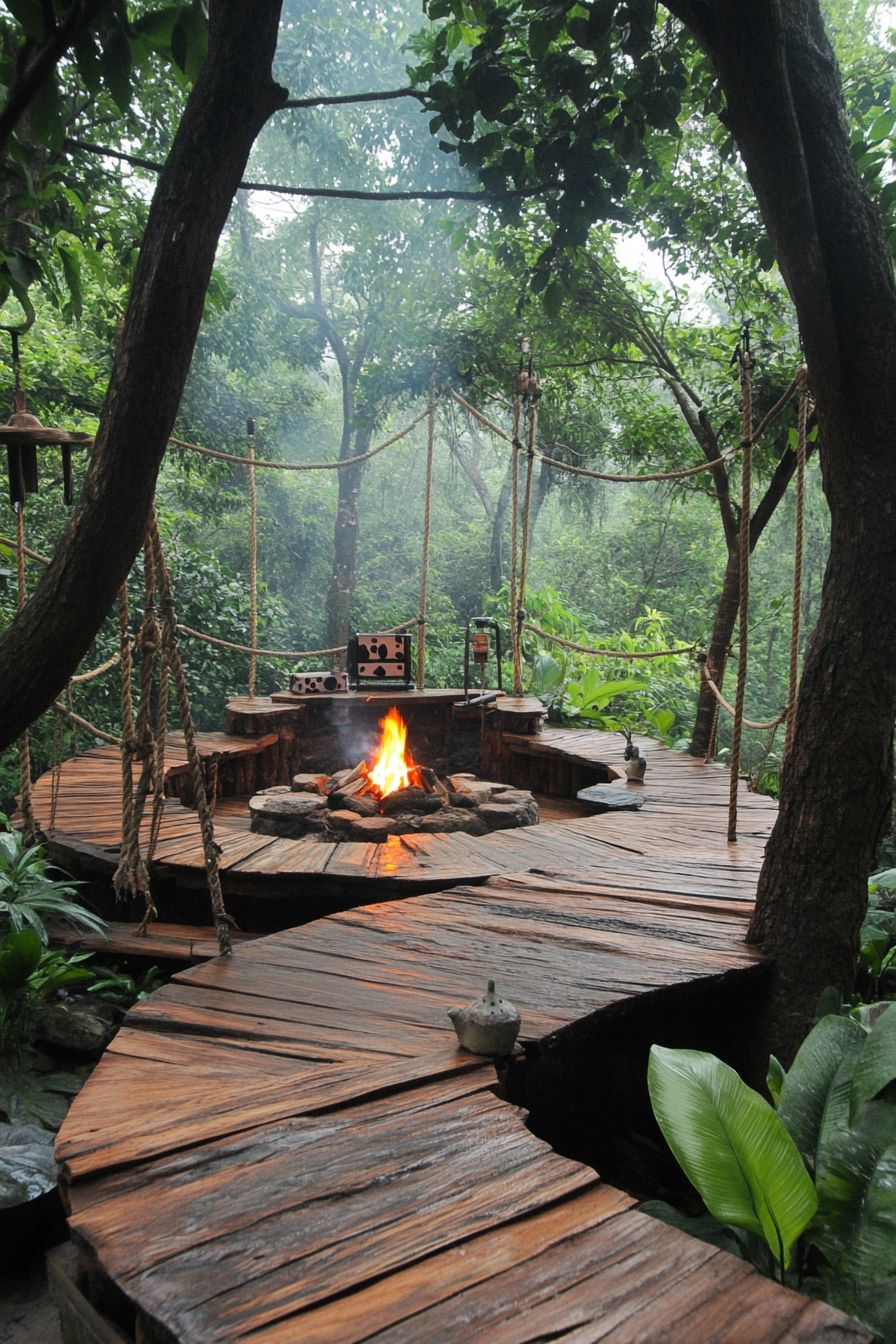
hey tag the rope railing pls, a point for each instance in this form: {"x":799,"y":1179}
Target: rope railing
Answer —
{"x":83,"y":723}
{"x":607,"y":653}
{"x":729,"y":709}
{"x":301,"y":466}
{"x":286,"y":653}
{"x":722,"y":460}
{"x":97,"y":671}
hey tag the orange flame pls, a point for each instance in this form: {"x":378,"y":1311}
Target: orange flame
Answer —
{"x":391,"y":770}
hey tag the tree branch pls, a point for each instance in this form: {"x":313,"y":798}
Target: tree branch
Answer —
{"x":330,"y":193}
{"x":27,"y":82}
{"x":342,"y":98}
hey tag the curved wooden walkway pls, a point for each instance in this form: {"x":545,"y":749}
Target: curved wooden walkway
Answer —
{"x":287,"y":1145}
{"x":681,"y":829}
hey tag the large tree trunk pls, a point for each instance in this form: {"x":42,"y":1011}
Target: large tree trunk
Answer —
{"x":345,"y":550}
{"x":784,"y":108}
{"x":233,"y":97}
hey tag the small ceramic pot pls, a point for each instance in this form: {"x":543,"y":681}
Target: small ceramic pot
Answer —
{"x":487,"y":1026}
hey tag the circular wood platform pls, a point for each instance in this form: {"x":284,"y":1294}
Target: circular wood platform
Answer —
{"x":685,"y":809}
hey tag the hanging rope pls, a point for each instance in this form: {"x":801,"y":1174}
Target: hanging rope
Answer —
{"x":253,"y":571}
{"x":527,"y":505}
{"x":515,"y":650}
{"x":97,"y":671}
{"x":746,"y":384}
{"x":169,"y":634}
{"x":132,"y":875}
{"x":89,"y":727}
{"x":722,"y":703}
{"x":427,"y":518}
{"x":723,"y":459}
{"x":56,"y":770}
{"x":286,"y":653}
{"x":607,"y":653}
{"x":29,"y":832}
{"x":803,"y":379}
{"x":31,"y":555}
{"x":303,"y":466}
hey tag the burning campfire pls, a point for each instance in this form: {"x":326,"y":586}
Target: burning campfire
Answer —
{"x":388,"y":796}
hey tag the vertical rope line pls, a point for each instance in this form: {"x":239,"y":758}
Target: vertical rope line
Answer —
{"x":803,"y":378}
{"x":27,"y":810}
{"x":253,"y":570}
{"x":221,"y":919}
{"x":120,"y":880}
{"x":424,"y":575}
{"x":744,"y":608}
{"x":514,"y":548}
{"x":76,"y":751}
{"x":57,"y":770}
{"x":527,"y":504}
{"x":711,"y":745}
{"x":158,"y":800}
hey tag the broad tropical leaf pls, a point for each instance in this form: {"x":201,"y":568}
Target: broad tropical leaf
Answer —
{"x":807,"y":1087}
{"x":876,"y":1065}
{"x":732,"y":1146}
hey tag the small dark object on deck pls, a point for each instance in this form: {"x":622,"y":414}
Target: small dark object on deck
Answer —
{"x":605,"y":799}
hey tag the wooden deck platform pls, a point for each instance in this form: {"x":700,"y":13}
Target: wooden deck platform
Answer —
{"x":288,"y":1145}
{"x":678,"y":832}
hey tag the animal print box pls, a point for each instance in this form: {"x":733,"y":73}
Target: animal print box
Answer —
{"x":317,"y":683}
{"x":376,"y":657}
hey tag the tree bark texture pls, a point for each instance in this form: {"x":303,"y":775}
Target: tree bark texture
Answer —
{"x":233,"y":97}
{"x":783,"y":93}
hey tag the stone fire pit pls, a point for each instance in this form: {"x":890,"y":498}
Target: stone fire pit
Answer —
{"x":326,"y":809}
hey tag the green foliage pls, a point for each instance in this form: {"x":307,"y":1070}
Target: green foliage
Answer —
{"x":655,"y":692}
{"x":732,"y":1147}
{"x":836,"y":1109}
{"x":29,"y":897}
{"x":30,"y":974}
{"x":119,"y":987}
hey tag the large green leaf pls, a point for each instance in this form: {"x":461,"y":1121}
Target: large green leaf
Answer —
{"x":732,"y":1146}
{"x":847,"y":1158}
{"x":807,"y":1087}
{"x":876,"y":1065}
{"x":19,"y":958}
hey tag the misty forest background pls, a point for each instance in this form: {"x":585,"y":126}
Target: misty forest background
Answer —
{"x":327,"y":321}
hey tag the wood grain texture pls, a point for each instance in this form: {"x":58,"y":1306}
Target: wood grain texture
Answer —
{"x":288,"y":1145}
{"x":678,"y":837}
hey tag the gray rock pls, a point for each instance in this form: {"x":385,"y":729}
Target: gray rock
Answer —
{"x":79,"y":1027}
{"x":501,"y":817}
{"x":604,"y":798}
{"x":284,"y":814}
{"x":373,"y":829}
{"x":453,"y":819}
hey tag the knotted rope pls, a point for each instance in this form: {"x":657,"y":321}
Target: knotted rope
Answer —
{"x":221,"y":918}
